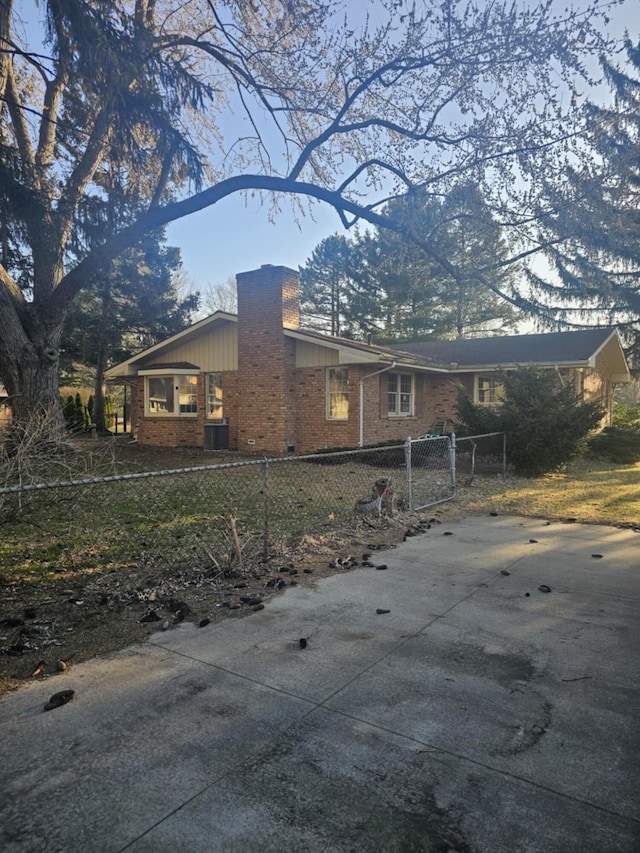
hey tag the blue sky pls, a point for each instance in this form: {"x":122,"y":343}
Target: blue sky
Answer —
{"x":235,"y":236}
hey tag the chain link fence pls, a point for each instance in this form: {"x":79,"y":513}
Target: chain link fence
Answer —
{"x":213,"y":514}
{"x":480,"y":454}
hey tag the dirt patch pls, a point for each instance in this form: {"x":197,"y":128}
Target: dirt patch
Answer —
{"x":49,"y":625}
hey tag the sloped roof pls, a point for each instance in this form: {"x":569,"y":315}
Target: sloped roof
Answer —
{"x":130,"y":366}
{"x":352,"y":352}
{"x":576,"y":348}
{"x":358,"y":351}
{"x":564,"y":349}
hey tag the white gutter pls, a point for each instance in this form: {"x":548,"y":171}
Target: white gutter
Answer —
{"x":369,"y":376}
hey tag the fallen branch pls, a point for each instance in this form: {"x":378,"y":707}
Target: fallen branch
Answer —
{"x":235,"y":538}
{"x":580,"y":678}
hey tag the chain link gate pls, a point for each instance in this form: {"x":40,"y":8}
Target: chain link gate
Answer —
{"x":431,"y":470}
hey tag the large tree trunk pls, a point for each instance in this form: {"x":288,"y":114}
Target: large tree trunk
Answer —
{"x":29,"y":369}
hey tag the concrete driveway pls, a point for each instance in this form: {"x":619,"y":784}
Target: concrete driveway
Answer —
{"x":479,"y":714}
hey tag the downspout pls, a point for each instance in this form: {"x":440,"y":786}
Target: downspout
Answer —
{"x":369,"y":376}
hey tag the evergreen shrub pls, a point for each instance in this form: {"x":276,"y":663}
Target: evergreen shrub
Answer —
{"x":545,"y":422}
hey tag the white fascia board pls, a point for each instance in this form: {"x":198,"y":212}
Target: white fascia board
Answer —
{"x":620,"y":357}
{"x":545,"y":365}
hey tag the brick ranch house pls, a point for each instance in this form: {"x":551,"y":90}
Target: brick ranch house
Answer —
{"x":259,"y":382}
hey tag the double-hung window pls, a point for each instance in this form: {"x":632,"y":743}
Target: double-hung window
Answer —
{"x":489,"y":390}
{"x":337,"y":394}
{"x":214,"y":396}
{"x":400,"y":394}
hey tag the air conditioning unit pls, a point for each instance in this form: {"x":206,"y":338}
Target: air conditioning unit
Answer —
{"x":216,"y":436}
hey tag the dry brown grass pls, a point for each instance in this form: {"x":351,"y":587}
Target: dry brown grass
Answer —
{"x":589,"y":491}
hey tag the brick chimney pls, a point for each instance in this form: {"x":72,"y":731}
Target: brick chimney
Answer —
{"x":268,"y":303}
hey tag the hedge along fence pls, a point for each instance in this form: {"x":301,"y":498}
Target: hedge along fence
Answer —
{"x":212,"y":514}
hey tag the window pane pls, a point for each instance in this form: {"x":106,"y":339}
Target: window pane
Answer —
{"x":160,"y":390}
{"x":392,"y":396}
{"x":490,"y":390}
{"x":406,"y":388}
{"x":338,"y":393}
{"x":188,"y":395}
{"x":339,"y":406}
{"x":400,"y":396}
{"x":214,"y":396}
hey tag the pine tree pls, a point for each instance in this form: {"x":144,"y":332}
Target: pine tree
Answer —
{"x":592,"y":221}
{"x":383,"y":283}
{"x":546,"y":423}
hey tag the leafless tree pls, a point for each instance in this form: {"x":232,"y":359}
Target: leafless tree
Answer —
{"x":192,"y":101}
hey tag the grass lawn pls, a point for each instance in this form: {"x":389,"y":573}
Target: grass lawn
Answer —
{"x":594,"y":492}
{"x":183,"y":519}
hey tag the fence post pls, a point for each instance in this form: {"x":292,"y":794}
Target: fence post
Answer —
{"x":452,"y":455}
{"x":265,"y":508}
{"x":407,"y":462}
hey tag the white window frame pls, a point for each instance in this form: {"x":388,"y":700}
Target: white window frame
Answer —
{"x":337,"y":375}
{"x":495,"y":390}
{"x":214,"y":379}
{"x":401,"y":400}
{"x":179,"y":379}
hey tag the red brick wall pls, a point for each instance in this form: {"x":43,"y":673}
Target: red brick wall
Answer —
{"x":187,"y":430}
{"x":314,"y":430}
{"x":434,"y":401}
{"x":441,"y":393}
{"x":268,"y":299}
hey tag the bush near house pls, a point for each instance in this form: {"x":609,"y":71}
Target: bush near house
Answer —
{"x":616,"y":444}
{"x":546,"y":423}
{"x":620,"y":442}
{"x":78,"y":407}
{"x":627,"y":416}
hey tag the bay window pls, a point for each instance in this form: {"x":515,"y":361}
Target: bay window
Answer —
{"x":171,"y":396}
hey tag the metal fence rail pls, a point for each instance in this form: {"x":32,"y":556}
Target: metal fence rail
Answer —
{"x":210,"y":515}
{"x":481,"y":454}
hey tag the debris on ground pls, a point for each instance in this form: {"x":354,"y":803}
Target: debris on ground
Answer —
{"x":75,"y":615}
{"x":59,"y":699}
